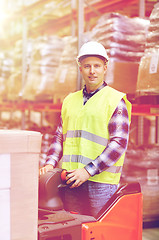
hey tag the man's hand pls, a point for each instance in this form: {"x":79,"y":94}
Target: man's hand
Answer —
{"x":78,"y":176}
{"x":45,"y":169}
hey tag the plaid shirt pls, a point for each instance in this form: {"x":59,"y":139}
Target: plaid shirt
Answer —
{"x":118,"y":138}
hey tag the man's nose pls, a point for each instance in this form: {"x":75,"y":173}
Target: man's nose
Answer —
{"x":92,"y":69}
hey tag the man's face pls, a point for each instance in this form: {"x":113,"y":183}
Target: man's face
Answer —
{"x":93,"y":70}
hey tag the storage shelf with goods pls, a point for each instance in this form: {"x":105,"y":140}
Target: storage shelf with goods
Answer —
{"x":54,"y":15}
{"x":141,"y":159}
{"x":148,"y":78}
{"x":39,"y":51}
{"x":43,"y":67}
{"x":38,"y":30}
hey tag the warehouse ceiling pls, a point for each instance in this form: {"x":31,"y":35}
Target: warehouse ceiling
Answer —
{"x":58,"y":16}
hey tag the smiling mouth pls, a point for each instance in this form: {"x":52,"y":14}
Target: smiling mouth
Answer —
{"x":92,"y":78}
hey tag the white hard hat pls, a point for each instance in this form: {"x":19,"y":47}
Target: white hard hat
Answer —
{"x":92,"y":48}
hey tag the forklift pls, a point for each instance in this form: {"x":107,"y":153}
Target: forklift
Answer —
{"x":119,"y":219}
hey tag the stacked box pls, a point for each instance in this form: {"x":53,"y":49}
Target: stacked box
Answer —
{"x":19,"y":163}
{"x":122,"y":75}
{"x":148,"y":76}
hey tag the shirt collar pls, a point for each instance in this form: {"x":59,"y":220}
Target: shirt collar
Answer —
{"x":86,"y":94}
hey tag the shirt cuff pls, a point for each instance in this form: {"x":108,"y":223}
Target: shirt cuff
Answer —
{"x":91,"y":169}
{"x":51,"y":162}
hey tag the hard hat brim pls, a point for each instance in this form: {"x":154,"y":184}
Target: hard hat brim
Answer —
{"x":92,"y":55}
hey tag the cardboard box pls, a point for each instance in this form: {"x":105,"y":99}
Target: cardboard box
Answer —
{"x":148,"y":76}
{"x":122,"y":76}
{"x":19,"y":165}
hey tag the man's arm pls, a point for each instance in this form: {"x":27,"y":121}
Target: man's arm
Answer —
{"x":55,"y":151}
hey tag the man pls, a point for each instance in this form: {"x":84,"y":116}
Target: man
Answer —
{"x":92,"y":136}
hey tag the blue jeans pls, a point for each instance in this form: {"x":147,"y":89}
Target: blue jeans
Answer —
{"x":89,"y":198}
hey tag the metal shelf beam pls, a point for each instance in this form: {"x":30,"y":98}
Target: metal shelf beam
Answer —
{"x":137,"y":109}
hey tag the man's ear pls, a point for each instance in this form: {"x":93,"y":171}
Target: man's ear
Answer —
{"x":105,"y":68}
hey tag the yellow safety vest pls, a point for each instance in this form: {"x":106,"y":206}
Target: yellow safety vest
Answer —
{"x":85,"y":131}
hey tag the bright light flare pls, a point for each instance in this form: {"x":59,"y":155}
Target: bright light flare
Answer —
{"x":3,"y":12}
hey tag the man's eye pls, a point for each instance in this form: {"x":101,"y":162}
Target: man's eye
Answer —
{"x":86,"y":66}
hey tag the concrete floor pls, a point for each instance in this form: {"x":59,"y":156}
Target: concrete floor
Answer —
{"x":150,"y":234}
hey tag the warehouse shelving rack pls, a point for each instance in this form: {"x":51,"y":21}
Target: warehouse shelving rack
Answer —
{"x":77,"y":17}
{"x":137,"y":109}
{"x":77,"y":20}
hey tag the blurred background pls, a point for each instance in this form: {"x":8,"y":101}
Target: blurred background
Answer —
{"x":39,"y":41}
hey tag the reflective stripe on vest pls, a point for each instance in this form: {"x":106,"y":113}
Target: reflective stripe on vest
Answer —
{"x":85,"y":131}
{"x":87,"y":135}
